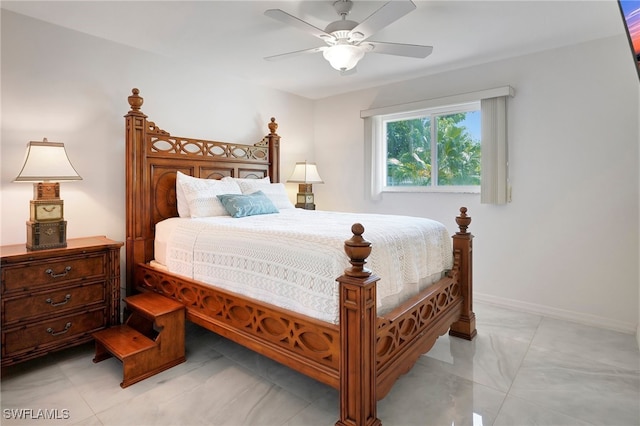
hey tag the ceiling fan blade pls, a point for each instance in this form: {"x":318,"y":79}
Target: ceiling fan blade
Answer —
{"x":400,"y":49}
{"x":282,"y":16}
{"x":296,"y":53}
{"x":387,"y":14}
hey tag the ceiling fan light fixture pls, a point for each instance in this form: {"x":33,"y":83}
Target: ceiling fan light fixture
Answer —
{"x":343,"y":57}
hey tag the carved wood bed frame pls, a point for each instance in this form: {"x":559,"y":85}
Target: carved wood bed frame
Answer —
{"x":362,"y":356}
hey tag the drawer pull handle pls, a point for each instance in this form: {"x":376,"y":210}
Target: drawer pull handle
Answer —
{"x":57,"y":333}
{"x":64,"y":302}
{"x":54,"y":275}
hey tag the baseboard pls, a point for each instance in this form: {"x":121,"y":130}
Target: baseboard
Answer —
{"x":586,"y":319}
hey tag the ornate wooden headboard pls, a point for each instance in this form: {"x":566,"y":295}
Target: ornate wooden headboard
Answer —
{"x":153,"y":157}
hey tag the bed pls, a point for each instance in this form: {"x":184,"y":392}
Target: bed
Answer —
{"x":363,"y":353}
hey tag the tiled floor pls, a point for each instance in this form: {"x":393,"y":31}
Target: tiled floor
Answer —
{"x":521,"y":369}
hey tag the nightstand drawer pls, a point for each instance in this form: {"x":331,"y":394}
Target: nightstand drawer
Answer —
{"x":40,"y":274}
{"x":52,"y":332}
{"x":52,"y":302}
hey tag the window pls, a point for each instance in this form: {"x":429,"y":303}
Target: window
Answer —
{"x":452,"y":144}
{"x":433,"y":148}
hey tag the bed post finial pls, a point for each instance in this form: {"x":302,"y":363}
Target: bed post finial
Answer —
{"x":358,"y":249}
{"x":135,"y":100}
{"x":273,"y":126}
{"x":463,"y":221}
{"x":274,"y":150}
{"x":465,"y":327}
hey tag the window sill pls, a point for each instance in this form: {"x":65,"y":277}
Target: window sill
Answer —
{"x":434,"y":189}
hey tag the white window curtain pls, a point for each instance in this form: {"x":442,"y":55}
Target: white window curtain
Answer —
{"x":376,"y":153}
{"x":494,"y":183}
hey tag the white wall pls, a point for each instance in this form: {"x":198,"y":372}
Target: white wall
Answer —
{"x":567,"y":245}
{"x":72,"y":88}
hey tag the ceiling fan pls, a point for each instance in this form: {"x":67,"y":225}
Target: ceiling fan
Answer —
{"x":348,"y":41}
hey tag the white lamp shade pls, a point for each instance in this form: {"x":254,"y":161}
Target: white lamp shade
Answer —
{"x":305,"y":173}
{"x":46,"y":161}
{"x":343,"y":57}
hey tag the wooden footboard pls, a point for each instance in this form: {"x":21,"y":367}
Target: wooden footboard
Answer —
{"x":375,"y":351}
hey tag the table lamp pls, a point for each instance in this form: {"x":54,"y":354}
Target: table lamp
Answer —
{"x":305,"y":174}
{"x":46,"y":164}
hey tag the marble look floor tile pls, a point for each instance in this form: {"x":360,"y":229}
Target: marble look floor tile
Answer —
{"x":100,"y":383}
{"x":489,"y":360}
{"x":606,"y":346}
{"x":262,"y":404}
{"x":579,"y":387}
{"x":571,"y":375}
{"x":296,"y":383}
{"x":41,"y":387}
{"x":322,"y":412}
{"x":516,"y":411}
{"x":91,"y":421}
{"x":215,"y":385}
{"x":425,"y":396}
{"x":497,"y":321}
{"x":222,"y":395}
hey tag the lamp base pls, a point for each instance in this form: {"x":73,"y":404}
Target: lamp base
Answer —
{"x":46,"y":235}
{"x":306,"y":206}
{"x":305,"y":198}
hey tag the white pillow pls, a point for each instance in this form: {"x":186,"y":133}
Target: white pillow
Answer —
{"x":181,"y":200}
{"x":201,"y":195}
{"x":241,"y":181}
{"x":276,"y":192}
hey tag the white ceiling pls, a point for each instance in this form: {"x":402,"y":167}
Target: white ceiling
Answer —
{"x":235,"y":36}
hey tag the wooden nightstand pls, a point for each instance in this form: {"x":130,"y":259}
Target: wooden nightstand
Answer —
{"x":54,"y":299}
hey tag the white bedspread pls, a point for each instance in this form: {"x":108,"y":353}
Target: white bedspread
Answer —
{"x":292,"y":259}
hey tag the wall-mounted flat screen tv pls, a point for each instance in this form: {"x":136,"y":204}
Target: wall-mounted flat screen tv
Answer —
{"x":630,"y":10}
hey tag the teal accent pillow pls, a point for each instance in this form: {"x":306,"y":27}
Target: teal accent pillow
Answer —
{"x":241,"y":205}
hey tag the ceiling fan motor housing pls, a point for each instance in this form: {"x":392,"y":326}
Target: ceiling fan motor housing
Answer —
{"x":341,"y":29}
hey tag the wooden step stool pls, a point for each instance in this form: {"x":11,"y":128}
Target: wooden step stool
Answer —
{"x":151,"y":340}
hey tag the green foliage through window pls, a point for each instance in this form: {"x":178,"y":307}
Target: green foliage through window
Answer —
{"x":454,"y":159}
